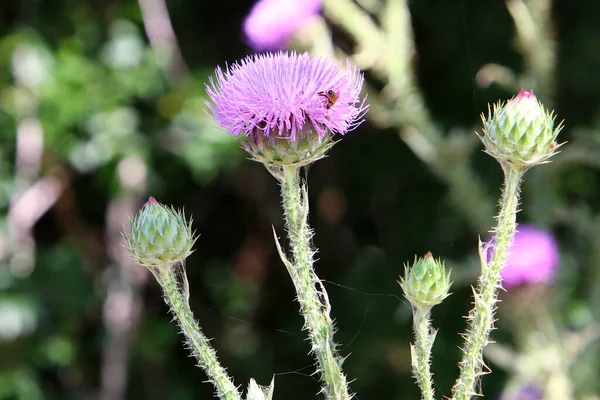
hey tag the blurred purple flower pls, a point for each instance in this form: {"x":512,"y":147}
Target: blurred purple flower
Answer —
{"x":533,"y":258}
{"x":271,"y":23}
{"x":282,"y":94}
{"x":529,"y":391}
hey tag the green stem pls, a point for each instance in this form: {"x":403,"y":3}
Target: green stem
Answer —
{"x":481,"y":318}
{"x":314,"y":303}
{"x":421,"y":350}
{"x":534,"y":33}
{"x":198,"y":343}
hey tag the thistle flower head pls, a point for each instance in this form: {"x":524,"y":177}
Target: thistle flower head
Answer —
{"x":271,"y":23}
{"x":287,"y":105}
{"x":159,"y":236}
{"x":533,"y":258}
{"x":426,"y":283}
{"x":520,"y":132}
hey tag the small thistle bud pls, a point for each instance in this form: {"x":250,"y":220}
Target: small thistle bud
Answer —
{"x":426,"y":282}
{"x":159,"y":235}
{"x":520,"y":132}
{"x":256,"y":392}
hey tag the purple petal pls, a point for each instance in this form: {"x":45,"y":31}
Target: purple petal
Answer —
{"x":271,"y":23}
{"x":533,"y":258}
{"x":277,"y":94}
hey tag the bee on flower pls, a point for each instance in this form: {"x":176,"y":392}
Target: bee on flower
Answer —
{"x":270,"y":99}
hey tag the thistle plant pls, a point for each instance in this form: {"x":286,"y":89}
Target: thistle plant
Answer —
{"x":288,"y":107}
{"x":519,"y":135}
{"x":425,"y":284}
{"x":161,"y":239}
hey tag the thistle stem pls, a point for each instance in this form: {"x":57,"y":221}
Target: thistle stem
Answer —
{"x":314,"y":303}
{"x":481,"y":318}
{"x":421,"y":350}
{"x":199,"y":344}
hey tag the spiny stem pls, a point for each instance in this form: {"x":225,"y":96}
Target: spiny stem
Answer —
{"x":481,"y":318}
{"x":421,"y":350}
{"x":314,"y":303}
{"x":198,"y":343}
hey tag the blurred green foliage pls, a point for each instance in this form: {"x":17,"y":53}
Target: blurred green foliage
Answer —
{"x":111,"y":116}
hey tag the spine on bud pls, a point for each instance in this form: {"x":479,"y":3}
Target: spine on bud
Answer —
{"x":276,"y":152}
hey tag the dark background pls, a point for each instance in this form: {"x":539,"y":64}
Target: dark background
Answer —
{"x":76,"y":318}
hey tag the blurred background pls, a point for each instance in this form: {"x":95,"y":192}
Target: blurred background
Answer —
{"x":102,"y":105}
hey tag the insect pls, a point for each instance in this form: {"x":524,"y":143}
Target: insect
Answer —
{"x":331,"y":97}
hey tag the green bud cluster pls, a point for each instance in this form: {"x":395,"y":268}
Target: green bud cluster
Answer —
{"x":306,"y":148}
{"x":520,"y":132}
{"x":159,"y":235}
{"x":426,"y":282}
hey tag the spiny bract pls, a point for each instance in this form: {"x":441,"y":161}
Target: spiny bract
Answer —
{"x":520,"y":132}
{"x":159,"y":236}
{"x":426,"y":282}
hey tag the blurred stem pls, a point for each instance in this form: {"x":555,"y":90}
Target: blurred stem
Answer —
{"x":199,"y":345}
{"x":425,"y":138}
{"x":370,"y":39}
{"x":481,"y":318}
{"x":533,"y":28}
{"x":161,"y":34}
{"x":421,"y":350}
{"x":313,"y":299}
{"x":535,"y":41}
{"x":388,"y":54}
{"x":315,"y":36}
{"x":123,"y":303}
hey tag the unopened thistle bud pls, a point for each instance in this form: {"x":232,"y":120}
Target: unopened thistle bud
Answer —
{"x":257,"y":392}
{"x":159,"y":235}
{"x":521,"y":132}
{"x":426,"y":282}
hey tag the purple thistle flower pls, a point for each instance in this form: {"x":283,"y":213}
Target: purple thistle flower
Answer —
{"x":271,"y":23}
{"x":282,"y":95}
{"x":533,"y":258}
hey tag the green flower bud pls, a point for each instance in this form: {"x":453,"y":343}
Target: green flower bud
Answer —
{"x":426,"y":282}
{"x":256,"y":392}
{"x":159,"y":236}
{"x":520,"y":132}
{"x":280,"y":151}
